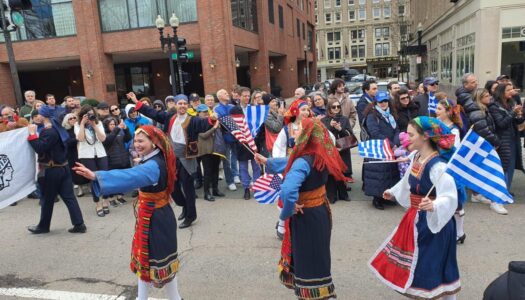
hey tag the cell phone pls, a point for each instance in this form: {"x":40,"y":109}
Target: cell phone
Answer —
{"x":10,"y":119}
{"x":282,"y":104}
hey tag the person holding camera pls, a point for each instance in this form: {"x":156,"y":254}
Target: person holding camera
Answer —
{"x":91,"y":153}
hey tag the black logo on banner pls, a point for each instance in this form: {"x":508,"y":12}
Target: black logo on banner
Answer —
{"x":6,"y":171}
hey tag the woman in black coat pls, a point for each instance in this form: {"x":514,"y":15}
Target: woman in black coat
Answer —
{"x":507,"y":116}
{"x":117,"y":135}
{"x":404,"y":109}
{"x":380,"y":125}
{"x":340,"y":127}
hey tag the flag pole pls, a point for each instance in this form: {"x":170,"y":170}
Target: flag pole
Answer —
{"x":451,"y":158}
{"x":246,"y":146}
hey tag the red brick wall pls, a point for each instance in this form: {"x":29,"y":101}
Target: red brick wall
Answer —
{"x":7,"y":93}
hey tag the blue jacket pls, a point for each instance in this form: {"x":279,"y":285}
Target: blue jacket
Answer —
{"x":133,"y":124}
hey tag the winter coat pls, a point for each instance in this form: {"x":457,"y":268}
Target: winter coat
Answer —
{"x":115,"y":145}
{"x":361,"y":106}
{"x":405,"y":114}
{"x":346,"y":131}
{"x":379,"y":177}
{"x":348,"y":108}
{"x":274,"y":122}
{"x":476,"y":117}
{"x":422,"y":102}
{"x":507,"y":133}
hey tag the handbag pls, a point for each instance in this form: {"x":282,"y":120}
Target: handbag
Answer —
{"x":364,"y":134}
{"x":270,"y":139}
{"x":346,"y":142}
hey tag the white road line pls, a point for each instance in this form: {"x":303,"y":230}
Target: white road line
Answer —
{"x":57,"y":295}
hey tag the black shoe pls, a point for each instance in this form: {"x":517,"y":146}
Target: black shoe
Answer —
{"x":37,"y":230}
{"x":122,"y":201}
{"x":217,"y":193}
{"x":33,"y":195}
{"x":182,"y":215}
{"x":198,"y":184}
{"x":78,"y":229}
{"x":113,"y":203}
{"x":461,"y":239}
{"x":14,"y":204}
{"x":344,"y":197}
{"x":388,"y":202}
{"x":135,"y":194}
{"x":247,"y":195}
{"x":376,"y":202}
{"x":332,"y":201}
{"x":186,"y":223}
{"x":209,"y":197}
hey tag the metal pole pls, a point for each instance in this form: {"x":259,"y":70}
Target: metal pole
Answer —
{"x":11,"y":58}
{"x":179,"y":67}
{"x":172,"y":70}
{"x":419,"y":33}
{"x":306,"y":64}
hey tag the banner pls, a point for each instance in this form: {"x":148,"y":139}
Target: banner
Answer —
{"x":17,"y":166}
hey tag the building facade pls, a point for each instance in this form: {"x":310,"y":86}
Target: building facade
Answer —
{"x":483,"y":37}
{"x":103,"y":49}
{"x":360,"y":34}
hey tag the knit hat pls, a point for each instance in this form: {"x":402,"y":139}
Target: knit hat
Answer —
{"x":267,"y":98}
{"x":169,"y":98}
{"x":159,"y":102}
{"x":129,"y":109}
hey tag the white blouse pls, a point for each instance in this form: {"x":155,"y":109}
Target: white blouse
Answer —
{"x":91,"y":147}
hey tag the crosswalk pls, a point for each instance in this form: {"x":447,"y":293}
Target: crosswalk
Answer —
{"x":34,"y":293}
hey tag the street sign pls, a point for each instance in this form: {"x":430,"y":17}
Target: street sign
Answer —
{"x":418,"y":60}
{"x":190,"y":55}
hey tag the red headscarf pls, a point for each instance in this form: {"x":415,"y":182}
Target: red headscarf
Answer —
{"x":314,"y":140}
{"x":161,"y":141}
{"x":293,"y":111}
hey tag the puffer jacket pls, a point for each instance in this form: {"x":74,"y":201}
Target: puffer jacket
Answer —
{"x":118,"y":156}
{"x":476,"y":117}
{"x":507,"y":132}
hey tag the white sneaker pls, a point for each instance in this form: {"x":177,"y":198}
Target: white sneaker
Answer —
{"x":480,"y":198}
{"x":232,"y":187}
{"x":498,"y":208}
{"x":236,"y":180}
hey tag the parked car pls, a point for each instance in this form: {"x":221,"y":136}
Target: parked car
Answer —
{"x":381,"y":85}
{"x":346,"y":74}
{"x":355,"y":94}
{"x":361,"y":78}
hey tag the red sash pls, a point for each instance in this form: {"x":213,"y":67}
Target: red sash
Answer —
{"x":144,"y":207}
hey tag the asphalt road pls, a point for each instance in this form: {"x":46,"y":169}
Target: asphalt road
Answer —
{"x":231,"y":252}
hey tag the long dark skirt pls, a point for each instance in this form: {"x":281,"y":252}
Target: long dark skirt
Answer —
{"x":310,"y":236}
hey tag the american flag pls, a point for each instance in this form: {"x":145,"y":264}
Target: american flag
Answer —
{"x":267,"y":188}
{"x":236,"y":124}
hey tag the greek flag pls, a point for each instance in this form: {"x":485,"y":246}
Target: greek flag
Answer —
{"x":377,"y":149}
{"x":255,"y":117}
{"x":477,"y":165}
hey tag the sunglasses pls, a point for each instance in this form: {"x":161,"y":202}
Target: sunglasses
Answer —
{"x":156,"y":105}
{"x":72,"y":118}
{"x":433,"y":84}
{"x":403,"y":98}
{"x":115,"y":109}
{"x":336,"y":106}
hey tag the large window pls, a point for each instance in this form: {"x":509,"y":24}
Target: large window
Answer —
{"x":47,"y":18}
{"x":334,"y":53}
{"x":357,"y":34}
{"x":376,"y":12}
{"x":127,"y":14}
{"x":333,"y":36}
{"x":446,"y":62}
{"x":358,"y":51}
{"x":386,"y":11}
{"x":351,"y":15}
{"x":281,"y":17}
{"x":362,"y":13}
{"x":244,"y":13}
{"x":270,"y":11}
{"x":382,"y":32}
{"x":382,"y":49}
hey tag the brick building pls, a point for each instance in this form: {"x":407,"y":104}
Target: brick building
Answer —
{"x":104,"y":48}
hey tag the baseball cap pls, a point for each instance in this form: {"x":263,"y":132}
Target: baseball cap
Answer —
{"x":202,"y":108}
{"x":502,"y":76}
{"x":194,"y":97}
{"x":430,"y":80}
{"x":382,"y":97}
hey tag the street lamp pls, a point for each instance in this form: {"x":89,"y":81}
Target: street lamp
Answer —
{"x":169,"y":41}
{"x":420,"y":52}
{"x":306,"y":48}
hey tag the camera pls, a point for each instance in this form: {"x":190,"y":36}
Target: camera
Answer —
{"x":10,"y":119}
{"x":92,"y":117}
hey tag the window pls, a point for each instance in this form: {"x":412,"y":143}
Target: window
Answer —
{"x":333,"y":36}
{"x":378,"y":32}
{"x":270,"y":11}
{"x":386,"y":11}
{"x":46,"y":19}
{"x":316,"y":20}
{"x":298,"y":28}
{"x":304,"y":32}
{"x":334,"y":53}
{"x":126,"y":14}
{"x":376,"y":12}
{"x":382,"y":32}
{"x":310,"y":40}
{"x":244,"y":12}
{"x":337,"y":3}
{"x":337,"y":17}
{"x":315,"y":4}
{"x":446,"y":62}
{"x":386,"y":32}
{"x":328,"y":18}
{"x":351,"y":15}
{"x":281,"y":17}
{"x":351,"y":2}
{"x":327,"y":3}
{"x":357,"y":34}
{"x":382,"y":49}
{"x":362,"y":13}
{"x":375,"y":1}
{"x":401,"y":10}
{"x":362,"y":2}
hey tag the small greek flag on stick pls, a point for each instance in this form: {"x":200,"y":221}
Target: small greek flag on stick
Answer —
{"x":377,"y":149}
{"x":477,"y":165}
{"x":255,"y":117}
{"x":267,"y":188}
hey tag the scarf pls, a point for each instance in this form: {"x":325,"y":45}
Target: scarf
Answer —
{"x":387,"y":116}
{"x":314,"y":140}
{"x":50,"y":113}
{"x":439,"y":133}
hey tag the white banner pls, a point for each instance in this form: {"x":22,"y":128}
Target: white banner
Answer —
{"x":17,"y":166}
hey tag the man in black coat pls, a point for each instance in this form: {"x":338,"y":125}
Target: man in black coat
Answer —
{"x":369,"y":93}
{"x":56,"y":179}
{"x":427,"y":102}
{"x":475,"y":116}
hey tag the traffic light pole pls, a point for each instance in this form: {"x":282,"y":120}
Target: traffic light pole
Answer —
{"x":11,"y":58}
{"x":179,"y":59}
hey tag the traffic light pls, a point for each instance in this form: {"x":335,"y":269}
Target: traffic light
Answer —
{"x":182,"y":50}
{"x":12,"y":15}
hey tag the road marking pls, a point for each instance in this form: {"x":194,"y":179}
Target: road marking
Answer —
{"x":57,"y":295}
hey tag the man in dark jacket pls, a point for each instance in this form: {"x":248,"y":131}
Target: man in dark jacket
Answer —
{"x":475,"y":116}
{"x":427,"y":102}
{"x":183,"y":131}
{"x":369,"y":92}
